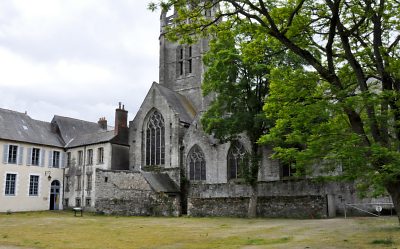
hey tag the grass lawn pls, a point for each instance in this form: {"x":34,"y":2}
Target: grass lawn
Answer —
{"x":63,"y":230}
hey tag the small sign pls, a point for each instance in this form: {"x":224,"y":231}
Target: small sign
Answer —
{"x":378,"y":209}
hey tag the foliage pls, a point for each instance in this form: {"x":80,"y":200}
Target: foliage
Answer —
{"x":343,"y":107}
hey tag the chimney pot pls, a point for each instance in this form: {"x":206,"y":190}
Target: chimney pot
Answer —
{"x":102,"y":123}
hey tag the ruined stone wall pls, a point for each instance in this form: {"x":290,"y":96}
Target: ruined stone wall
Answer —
{"x":272,"y":206}
{"x":128,"y":193}
{"x":293,"y":198}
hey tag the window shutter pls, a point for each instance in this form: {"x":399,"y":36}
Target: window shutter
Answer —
{"x":50,"y":159}
{"x":5,"y":153}
{"x":42,"y":157}
{"x":29,"y":157}
{"x":20,"y":154}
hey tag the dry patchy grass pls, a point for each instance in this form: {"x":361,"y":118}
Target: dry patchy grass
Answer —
{"x":63,"y":230}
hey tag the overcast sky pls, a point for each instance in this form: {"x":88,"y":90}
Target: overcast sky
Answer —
{"x":76,"y":58}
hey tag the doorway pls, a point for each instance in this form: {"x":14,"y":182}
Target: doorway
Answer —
{"x":55,"y":195}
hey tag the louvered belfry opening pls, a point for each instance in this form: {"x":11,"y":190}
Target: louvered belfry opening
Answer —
{"x":155,"y":140}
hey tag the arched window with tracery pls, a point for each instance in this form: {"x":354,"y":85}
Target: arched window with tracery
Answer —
{"x":155,"y":140}
{"x":196,"y":164}
{"x":236,"y":160}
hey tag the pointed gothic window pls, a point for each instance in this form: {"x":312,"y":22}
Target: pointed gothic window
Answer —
{"x":236,"y":160}
{"x":196,"y":164}
{"x":155,"y":140}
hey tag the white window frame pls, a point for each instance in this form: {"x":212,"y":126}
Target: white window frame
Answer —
{"x":29,"y":185}
{"x":53,"y":162}
{"x":39,"y":156}
{"x":16,"y":184}
{"x":16,"y":154}
{"x":100,"y":155}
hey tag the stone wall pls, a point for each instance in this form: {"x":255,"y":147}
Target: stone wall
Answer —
{"x":128,"y":193}
{"x":290,"y":196}
{"x":273,"y":206}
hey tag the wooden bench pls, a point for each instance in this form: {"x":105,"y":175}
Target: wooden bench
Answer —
{"x":78,"y":210}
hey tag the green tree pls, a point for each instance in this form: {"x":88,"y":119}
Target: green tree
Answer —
{"x":351,"y":48}
{"x":236,"y":75}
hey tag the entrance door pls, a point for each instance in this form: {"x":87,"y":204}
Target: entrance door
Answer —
{"x":55,"y":195}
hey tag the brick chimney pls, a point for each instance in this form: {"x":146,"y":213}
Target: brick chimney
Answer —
{"x":102,"y":123}
{"x":121,"y":120}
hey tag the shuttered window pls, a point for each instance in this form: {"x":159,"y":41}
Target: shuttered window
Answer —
{"x":12,"y":154}
{"x":35,"y":156}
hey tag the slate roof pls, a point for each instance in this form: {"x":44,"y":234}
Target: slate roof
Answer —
{"x":20,"y":127}
{"x":17,"y":126}
{"x":179,"y":103}
{"x":91,"y":138}
{"x":160,"y":182}
{"x":72,"y":128}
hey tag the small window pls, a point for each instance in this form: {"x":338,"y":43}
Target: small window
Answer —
{"x":68,"y":159}
{"x":34,"y":185}
{"x":181,"y":53}
{"x":77,"y":202}
{"x":90,"y":157}
{"x":78,"y":183}
{"x":67,"y":183}
{"x":12,"y":154}
{"x":56,"y":159}
{"x":190,"y":66}
{"x":80,"y":158}
{"x":181,"y":68}
{"x":66,"y":202}
{"x":11,"y":180}
{"x":89,"y":182}
{"x":287,"y":170}
{"x":100,"y":155}
{"x":88,"y":202}
{"x":35,"y":157}
{"x":106,"y":179}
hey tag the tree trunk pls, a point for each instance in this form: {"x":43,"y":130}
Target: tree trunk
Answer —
{"x":394,"y":190}
{"x":252,"y":211}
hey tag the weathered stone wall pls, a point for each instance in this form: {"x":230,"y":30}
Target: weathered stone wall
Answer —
{"x":284,"y":193}
{"x":273,"y":206}
{"x":128,"y":193}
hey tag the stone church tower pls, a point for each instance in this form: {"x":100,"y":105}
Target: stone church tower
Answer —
{"x":181,"y":67}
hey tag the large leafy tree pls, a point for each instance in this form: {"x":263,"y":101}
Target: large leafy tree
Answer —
{"x":352,"y":79}
{"x":237,"y":65}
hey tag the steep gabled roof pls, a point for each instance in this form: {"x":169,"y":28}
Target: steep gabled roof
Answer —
{"x":91,"y":138}
{"x":71,"y":128}
{"x":160,"y":182}
{"x":179,"y":103}
{"x":20,"y":127}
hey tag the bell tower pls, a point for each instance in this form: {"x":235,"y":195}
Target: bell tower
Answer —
{"x":181,"y":66}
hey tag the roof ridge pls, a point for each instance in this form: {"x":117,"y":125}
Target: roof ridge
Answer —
{"x":75,"y":119}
